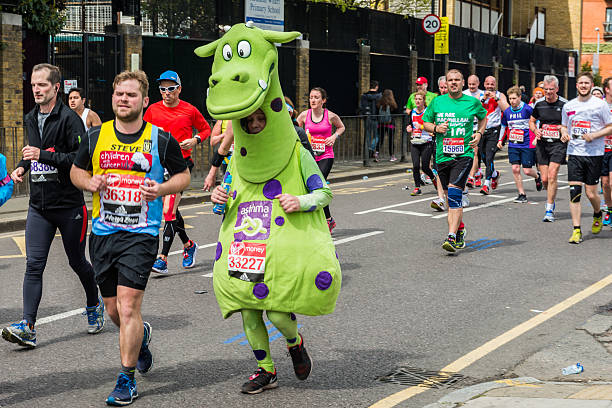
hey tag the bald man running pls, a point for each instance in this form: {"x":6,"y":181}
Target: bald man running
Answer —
{"x":475,"y":177}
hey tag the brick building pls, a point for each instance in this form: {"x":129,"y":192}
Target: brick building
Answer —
{"x":597,"y":14}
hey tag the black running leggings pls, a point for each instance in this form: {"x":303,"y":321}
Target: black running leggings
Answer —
{"x":325,"y":165}
{"x":421,"y":157}
{"x":487,"y":149}
{"x":174,"y":227}
{"x":40,"y":231}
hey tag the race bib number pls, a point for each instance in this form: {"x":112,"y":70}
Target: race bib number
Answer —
{"x":42,"y":173}
{"x":318,"y":144}
{"x":516,"y":135}
{"x":247,"y":261}
{"x":580,"y":128}
{"x":121,"y":203}
{"x":551,"y":131}
{"x":608,"y":142}
{"x":453,"y":145}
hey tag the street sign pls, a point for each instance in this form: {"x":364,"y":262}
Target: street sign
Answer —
{"x":266,"y":14}
{"x":441,"y":37}
{"x":431,"y":24}
{"x":571,"y":67}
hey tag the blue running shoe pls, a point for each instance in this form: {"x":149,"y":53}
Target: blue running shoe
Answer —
{"x":95,"y":317}
{"x":21,"y":334}
{"x":160,"y":266}
{"x":189,"y":255}
{"x":124,"y":393}
{"x":145,"y":358}
{"x":549,"y":217}
{"x":607,"y":219}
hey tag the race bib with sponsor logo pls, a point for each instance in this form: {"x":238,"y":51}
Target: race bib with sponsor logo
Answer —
{"x":318,"y":144}
{"x":247,"y":261}
{"x":608,"y":142}
{"x":551,"y":131}
{"x":121,"y":203}
{"x":580,"y":128}
{"x":453,"y":145}
{"x":42,"y":173}
{"x":253,"y":221}
{"x":516,"y":135}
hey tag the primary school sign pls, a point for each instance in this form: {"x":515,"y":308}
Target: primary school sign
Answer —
{"x":266,"y":14}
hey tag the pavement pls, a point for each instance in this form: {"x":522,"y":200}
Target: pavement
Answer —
{"x":538,"y":381}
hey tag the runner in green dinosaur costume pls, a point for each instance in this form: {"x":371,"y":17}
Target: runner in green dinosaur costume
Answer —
{"x":275,"y":253}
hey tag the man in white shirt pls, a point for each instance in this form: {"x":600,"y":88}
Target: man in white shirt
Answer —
{"x":77,"y":104}
{"x":585,"y":121}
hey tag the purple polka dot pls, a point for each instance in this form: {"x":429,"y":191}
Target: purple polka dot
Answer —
{"x":279,"y":221}
{"x":260,"y":354}
{"x":292,"y":316}
{"x":314,"y":182}
{"x":219,"y":251}
{"x":323,"y":280}
{"x":337,"y":255}
{"x":261,"y":291}
{"x":311,"y":209}
{"x":291,"y":341}
{"x":234,"y":195}
{"x":276,"y":105}
{"x":243,"y":151}
{"x":272,"y":189}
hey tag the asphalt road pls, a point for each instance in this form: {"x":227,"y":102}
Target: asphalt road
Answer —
{"x":404,"y":302}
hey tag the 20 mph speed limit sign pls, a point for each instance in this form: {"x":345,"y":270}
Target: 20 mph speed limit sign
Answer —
{"x":431,"y":24}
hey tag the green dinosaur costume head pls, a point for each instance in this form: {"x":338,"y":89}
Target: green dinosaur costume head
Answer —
{"x":245,"y":78}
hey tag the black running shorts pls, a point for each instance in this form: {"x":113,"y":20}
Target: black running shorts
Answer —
{"x":606,"y":166}
{"x":122,"y":258}
{"x":455,"y":171}
{"x":585,"y":169}
{"x":547,"y":152}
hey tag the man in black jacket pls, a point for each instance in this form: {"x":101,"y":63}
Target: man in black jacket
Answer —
{"x":367,"y":108}
{"x":53,"y":132}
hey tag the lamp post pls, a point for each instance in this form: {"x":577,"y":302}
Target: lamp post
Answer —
{"x":596,"y":56}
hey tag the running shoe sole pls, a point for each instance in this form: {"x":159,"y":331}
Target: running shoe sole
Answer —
{"x":448,"y":247}
{"x":114,"y":403}
{"x":10,"y":337}
{"x":262,"y":389}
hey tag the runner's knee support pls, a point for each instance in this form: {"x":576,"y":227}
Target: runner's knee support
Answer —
{"x":455,"y":197}
{"x":575,"y":193}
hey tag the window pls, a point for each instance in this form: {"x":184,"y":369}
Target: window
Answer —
{"x":608,"y":22}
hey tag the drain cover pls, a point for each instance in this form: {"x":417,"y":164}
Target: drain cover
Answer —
{"x":422,"y":378}
{"x":605,"y":309}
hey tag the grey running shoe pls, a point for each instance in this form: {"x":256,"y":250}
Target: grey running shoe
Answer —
{"x":21,"y":334}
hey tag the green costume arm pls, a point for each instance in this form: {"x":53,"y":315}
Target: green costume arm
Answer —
{"x":321,"y":195}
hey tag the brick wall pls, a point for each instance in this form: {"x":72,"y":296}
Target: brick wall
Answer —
{"x":364,"y":69}
{"x":594,"y":17}
{"x":132,"y":43}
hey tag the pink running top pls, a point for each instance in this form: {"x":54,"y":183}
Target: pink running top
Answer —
{"x":322,"y":129}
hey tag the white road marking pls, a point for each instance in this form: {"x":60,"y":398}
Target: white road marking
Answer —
{"x":395,"y":205}
{"x":491,"y":204}
{"x":180,"y":251}
{"x":563,"y":188}
{"x":418,"y":214}
{"x":490,"y":195}
{"x":59,"y":316}
{"x":356,"y":237}
{"x":536,"y":311}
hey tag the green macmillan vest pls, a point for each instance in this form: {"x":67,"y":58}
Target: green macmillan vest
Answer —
{"x":301,"y":272}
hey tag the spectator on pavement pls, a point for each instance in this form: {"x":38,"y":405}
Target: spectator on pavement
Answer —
{"x":386,"y":108}
{"x":421,"y":84}
{"x":367,"y":108}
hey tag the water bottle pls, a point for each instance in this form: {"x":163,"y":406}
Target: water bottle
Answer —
{"x":227,"y":181}
{"x":573,"y":369}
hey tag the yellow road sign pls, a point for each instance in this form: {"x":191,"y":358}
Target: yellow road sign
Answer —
{"x":441,"y":37}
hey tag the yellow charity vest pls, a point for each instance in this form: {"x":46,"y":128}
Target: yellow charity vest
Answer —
{"x":120,"y":207}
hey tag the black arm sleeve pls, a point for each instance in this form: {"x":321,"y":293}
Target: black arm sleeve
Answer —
{"x":170,"y":154}
{"x":75,"y":131}
{"x":535,"y":113}
{"x":83,"y":158}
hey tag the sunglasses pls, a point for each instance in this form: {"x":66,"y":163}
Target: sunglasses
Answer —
{"x":169,"y":88}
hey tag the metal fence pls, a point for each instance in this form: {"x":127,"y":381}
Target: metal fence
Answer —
{"x":380,"y":142}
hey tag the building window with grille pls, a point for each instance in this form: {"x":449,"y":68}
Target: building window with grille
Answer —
{"x":608,"y":22}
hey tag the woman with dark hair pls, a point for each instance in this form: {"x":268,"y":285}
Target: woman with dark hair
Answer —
{"x":318,"y":121}
{"x":386,"y":107}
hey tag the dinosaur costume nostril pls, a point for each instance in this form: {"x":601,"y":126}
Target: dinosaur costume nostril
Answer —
{"x":213,"y":82}
{"x":236,"y":78}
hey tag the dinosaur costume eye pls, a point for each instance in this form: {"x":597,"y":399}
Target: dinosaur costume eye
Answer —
{"x":244,"y":49}
{"x":227,"y":52}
